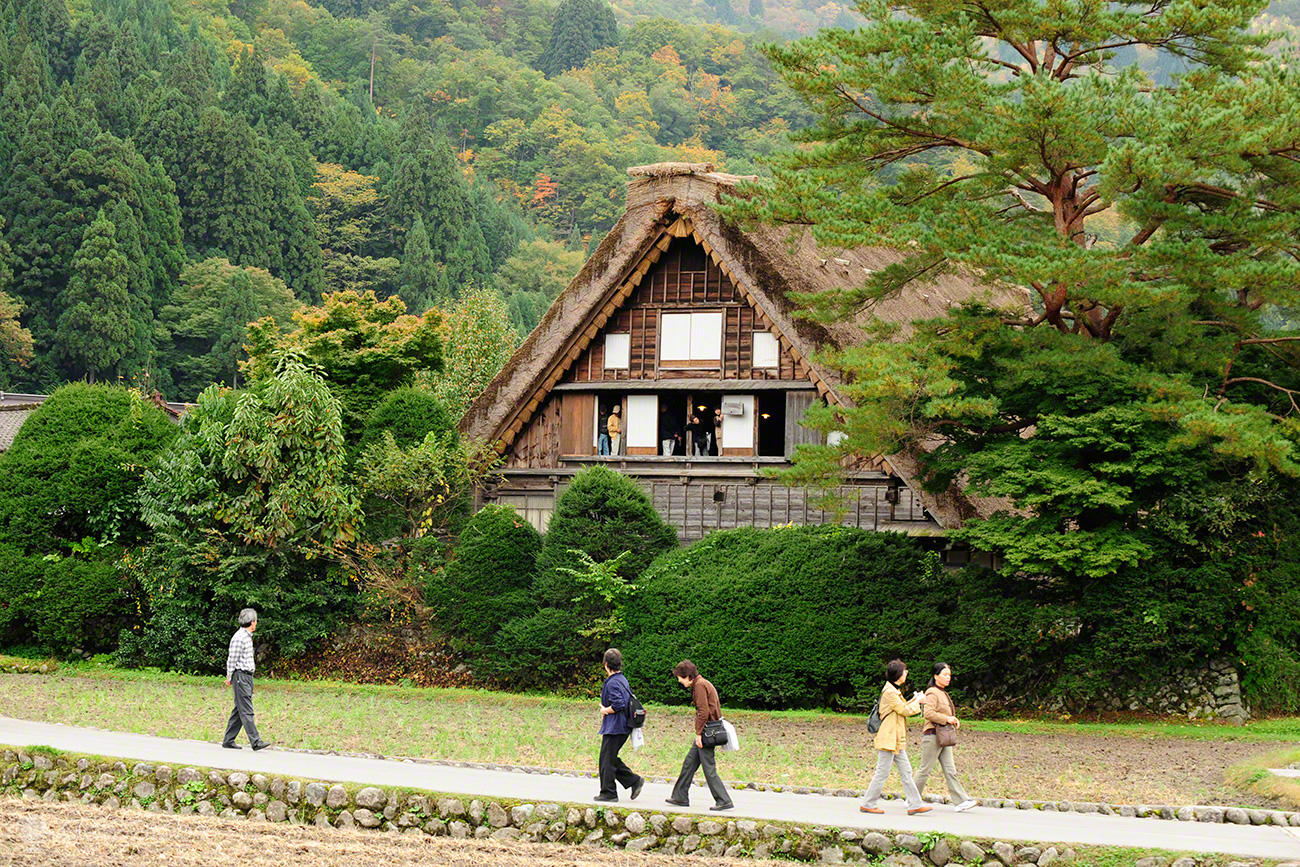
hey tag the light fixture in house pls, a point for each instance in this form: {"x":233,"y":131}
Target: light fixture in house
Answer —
{"x":700,"y":408}
{"x":766,"y":415}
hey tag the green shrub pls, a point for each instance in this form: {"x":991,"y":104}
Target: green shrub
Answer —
{"x":250,"y":507}
{"x":409,"y":414}
{"x":82,"y":604}
{"x":490,"y":579}
{"x":807,"y":617}
{"x":21,"y":576}
{"x":543,"y":650}
{"x":76,"y":466}
{"x":603,"y":513}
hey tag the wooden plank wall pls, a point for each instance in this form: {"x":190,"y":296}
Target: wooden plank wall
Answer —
{"x":683,"y":279}
{"x":538,"y":444}
{"x":698,"y":509}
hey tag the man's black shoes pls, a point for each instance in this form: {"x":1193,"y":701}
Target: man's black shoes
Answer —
{"x":637,"y":787}
{"x":605,"y":798}
{"x":717,"y":808}
{"x":232,"y":746}
{"x":677,"y":803}
{"x":263,"y":745}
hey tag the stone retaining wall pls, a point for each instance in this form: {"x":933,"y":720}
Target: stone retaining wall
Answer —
{"x":261,"y":798}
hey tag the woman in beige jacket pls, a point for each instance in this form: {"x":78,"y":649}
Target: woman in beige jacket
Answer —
{"x":891,"y":741}
{"x":938,"y":710}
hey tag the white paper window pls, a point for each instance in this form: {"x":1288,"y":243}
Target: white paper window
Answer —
{"x":738,"y":421}
{"x":766,"y":349}
{"x":643,"y":421}
{"x":618,"y":351}
{"x":690,"y":337}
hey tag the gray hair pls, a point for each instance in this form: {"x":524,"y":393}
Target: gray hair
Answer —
{"x":247,"y":617}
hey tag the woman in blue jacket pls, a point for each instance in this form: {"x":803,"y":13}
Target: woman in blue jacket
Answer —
{"x":615,"y":726}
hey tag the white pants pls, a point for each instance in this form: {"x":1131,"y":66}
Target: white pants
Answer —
{"x":884,"y":759}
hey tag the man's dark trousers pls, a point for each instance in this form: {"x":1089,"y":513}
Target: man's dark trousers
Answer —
{"x":242,"y":715}
{"x":612,"y":767}
{"x":700,"y":758}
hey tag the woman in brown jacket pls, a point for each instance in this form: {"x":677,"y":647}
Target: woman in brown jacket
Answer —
{"x":938,"y":710}
{"x":707,"y":709}
{"x":891,"y":741}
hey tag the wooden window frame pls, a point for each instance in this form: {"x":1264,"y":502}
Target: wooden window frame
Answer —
{"x":692,"y":363}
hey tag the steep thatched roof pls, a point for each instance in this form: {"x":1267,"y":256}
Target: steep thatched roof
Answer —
{"x":769,"y":265}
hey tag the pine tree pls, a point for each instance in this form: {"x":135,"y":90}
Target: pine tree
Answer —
{"x":579,"y":28}
{"x":1126,"y":383}
{"x":95,"y":325}
{"x":422,"y":281}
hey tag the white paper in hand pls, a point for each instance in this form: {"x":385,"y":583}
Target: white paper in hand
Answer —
{"x":638,"y":739}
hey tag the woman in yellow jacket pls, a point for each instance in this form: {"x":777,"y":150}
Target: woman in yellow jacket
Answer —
{"x":891,"y":741}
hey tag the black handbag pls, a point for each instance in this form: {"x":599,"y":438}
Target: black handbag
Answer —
{"x":714,"y":734}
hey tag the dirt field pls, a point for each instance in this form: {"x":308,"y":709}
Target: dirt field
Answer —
{"x":66,"y":835}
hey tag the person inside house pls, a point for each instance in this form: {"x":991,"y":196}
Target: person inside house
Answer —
{"x":602,"y":441}
{"x":614,"y":427}
{"x":717,"y":432}
{"x":695,"y":435}
{"x":669,"y":436}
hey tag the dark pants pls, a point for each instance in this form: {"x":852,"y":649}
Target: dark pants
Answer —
{"x":612,"y":767}
{"x":242,"y":715}
{"x":700,"y":758}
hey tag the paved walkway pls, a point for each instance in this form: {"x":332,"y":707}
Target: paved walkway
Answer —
{"x":1243,"y":840}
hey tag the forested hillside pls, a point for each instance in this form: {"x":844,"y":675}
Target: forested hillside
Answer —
{"x":168,"y":175}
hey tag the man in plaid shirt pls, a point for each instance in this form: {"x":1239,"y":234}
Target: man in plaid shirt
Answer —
{"x":239,"y":674}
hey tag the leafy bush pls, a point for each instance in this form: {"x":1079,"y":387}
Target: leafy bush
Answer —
{"x":82,"y":606}
{"x":409,"y":414}
{"x":489,"y":582}
{"x":250,"y":507}
{"x":398,"y":467}
{"x":76,"y":466}
{"x":542,"y":650}
{"x":604,"y":514}
{"x":21,"y":576}
{"x":807,"y":617}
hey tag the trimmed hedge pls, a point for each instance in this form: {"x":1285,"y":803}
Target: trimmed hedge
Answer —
{"x":603,"y":513}
{"x":489,"y":582}
{"x":801,"y":617}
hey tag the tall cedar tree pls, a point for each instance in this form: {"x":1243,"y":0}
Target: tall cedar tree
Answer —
{"x":1138,"y":378}
{"x":422,"y":282}
{"x":579,"y":28}
{"x":427,"y":183}
{"x":96,"y":321}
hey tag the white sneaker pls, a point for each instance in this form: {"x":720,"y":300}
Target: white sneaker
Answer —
{"x":966,"y":805}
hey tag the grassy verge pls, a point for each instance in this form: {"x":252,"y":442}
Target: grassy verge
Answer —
{"x":1027,"y":759}
{"x":1253,"y":776}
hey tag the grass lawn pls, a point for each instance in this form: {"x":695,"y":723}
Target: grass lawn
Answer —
{"x":1173,"y":763}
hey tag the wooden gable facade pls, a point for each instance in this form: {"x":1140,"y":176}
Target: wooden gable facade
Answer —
{"x":682,"y":327}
